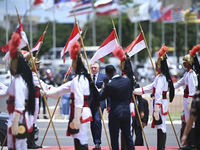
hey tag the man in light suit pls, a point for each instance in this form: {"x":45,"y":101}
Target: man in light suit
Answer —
{"x":118,"y":90}
{"x":96,"y":126}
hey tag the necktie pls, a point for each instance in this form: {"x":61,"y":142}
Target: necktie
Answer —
{"x":94,"y":78}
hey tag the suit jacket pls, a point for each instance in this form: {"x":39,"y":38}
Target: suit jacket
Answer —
{"x":118,"y":90}
{"x":99,"y":81}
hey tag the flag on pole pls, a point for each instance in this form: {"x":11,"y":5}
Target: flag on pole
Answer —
{"x":106,"y":7}
{"x":137,"y":45}
{"x":139,"y":12}
{"x":74,"y":36}
{"x":106,"y":47}
{"x":81,"y":7}
{"x":37,"y":4}
{"x":24,"y":40}
{"x":166,"y":13}
{"x":69,"y":70}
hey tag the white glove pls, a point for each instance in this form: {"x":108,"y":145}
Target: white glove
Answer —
{"x":138,"y":91}
{"x":15,"y":123}
{"x":156,"y":112}
{"x":43,"y":93}
{"x":75,"y":124}
{"x":189,"y":103}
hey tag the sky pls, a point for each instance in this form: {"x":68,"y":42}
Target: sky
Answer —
{"x":23,"y":5}
{"x":60,"y":14}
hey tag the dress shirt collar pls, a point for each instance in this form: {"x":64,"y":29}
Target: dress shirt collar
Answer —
{"x":115,"y":76}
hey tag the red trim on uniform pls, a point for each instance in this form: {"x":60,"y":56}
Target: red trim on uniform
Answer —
{"x":37,"y":95}
{"x":154,"y":90}
{"x":87,"y":120}
{"x":72,"y":95}
{"x":17,"y":111}
{"x":33,"y":70}
{"x":153,"y":124}
{"x":190,"y":96}
{"x":188,"y":69}
{"x":142,"y":90}
{"x":187,"y":90}
{"x":14,"y":141}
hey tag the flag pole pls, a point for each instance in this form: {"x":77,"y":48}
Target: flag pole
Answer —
{"x":41,"y":86}
{"x":133,"y":97}
{"x":92,"y":79}
{"x":156,"y":74}
{"x":42,"y":40}
{"x":65,"y":80}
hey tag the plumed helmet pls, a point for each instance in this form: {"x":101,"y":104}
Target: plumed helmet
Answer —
{"x":188,"y":58}
{"x":119,"y":53}
{"x":161,"y":55}
{"x":77,"y":59}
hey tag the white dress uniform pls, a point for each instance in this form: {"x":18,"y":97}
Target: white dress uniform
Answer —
{"x":79,"y":88}
{"x":18,"y":93}
{"x":160,"y":88}
{"x":37,"y":94}
{"x":190,"y":80}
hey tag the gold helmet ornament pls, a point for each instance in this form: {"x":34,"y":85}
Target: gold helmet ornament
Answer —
{"x":188,"y":58}
{"x":161,"y":55}
{"x":35,"y":60}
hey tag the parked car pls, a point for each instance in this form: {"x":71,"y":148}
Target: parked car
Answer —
{"x":5,"y":76}
{"x":3,"y":128}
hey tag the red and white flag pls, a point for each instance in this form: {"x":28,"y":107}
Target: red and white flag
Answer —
{"x":35,"y":48}
{"x":106,"y":7}
{"x":137,"y":45}
{"x":21,"y":32}
{"x":106,"y":47}
{"x":69,"y":70}
{"x":24,"y":40}
{"x":37,"y":4}
{"x":73,"y":37}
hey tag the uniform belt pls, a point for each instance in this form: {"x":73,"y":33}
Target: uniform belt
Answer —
{"x":85,"y":99}
{"x":12,"y":101}
{"x":163,"y":96}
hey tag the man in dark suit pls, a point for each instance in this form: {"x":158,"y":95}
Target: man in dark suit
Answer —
{"x":143,"y":107}
{"x":96,"y":126}
{"x":118,"y":90}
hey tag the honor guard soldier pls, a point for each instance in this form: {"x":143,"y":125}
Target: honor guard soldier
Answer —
{"x":160,"y":86}
{"x":190,"y":80}
{"x":80,"y":90}
{"x":21,"y":102}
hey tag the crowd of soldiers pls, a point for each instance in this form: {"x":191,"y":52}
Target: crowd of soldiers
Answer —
{"x":88,"y":94}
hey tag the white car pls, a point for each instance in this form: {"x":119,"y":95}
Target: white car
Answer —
{"x":5,"y":76}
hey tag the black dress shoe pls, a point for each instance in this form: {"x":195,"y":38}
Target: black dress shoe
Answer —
{"x":97,"y":147}
{"x":188,"y":147}
{"x":32,"y":145}
{"x":45,"y":117}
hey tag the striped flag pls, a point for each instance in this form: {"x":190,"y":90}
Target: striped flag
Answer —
{"x":74,"y":36}
{"x":81,"y":7}
{"x":106,"y":7}
{"x":24,"y":40}
{"x":177,"y":15}
{"x":137,"y":45}
{"x":106,"y":47}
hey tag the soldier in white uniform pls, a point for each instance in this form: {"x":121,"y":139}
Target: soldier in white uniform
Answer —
{"x":21,"y":102}
{"x":79,"y":87}
{"x":160,"y":105}
{"x":189,"y":79}
{"x":31,"y":142}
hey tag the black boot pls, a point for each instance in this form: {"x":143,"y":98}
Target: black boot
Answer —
{"x":161,"y":139}
{"x":78,"y":145}
{"x":31,"y":142}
